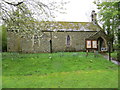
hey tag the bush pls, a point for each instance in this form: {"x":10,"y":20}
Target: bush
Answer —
{"x":3,"y":34}
{"x":118,"y":56}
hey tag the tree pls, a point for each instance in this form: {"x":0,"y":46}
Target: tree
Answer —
{"x":4,"y":38}
{"x":109,"y":17}
{"x":29,"y":16}
{"x":42,"y":10}
{"x":32,"y":10}
{"x":21,"y":20}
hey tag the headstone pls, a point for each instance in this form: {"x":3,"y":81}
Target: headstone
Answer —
{"x":95,"y":53}
{"x":87,"y":53}
{"x":75,"y":54}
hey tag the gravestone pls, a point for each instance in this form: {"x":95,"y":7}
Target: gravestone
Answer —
{"x":96,"y":53}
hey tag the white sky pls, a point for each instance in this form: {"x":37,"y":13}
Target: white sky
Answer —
{"x":78,"y":11}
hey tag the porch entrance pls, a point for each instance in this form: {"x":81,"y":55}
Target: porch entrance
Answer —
{"x":101,"y":44}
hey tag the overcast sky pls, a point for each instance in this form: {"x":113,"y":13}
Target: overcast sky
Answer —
{"x":78,"y":11}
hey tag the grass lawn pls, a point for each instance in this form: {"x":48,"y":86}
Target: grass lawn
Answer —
{"x":58,"y":70}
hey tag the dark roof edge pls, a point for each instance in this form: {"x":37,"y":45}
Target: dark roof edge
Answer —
{"x":99,"y":26}
{"x":67,"y":31}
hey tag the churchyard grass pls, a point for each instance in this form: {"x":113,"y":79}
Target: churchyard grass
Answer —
{"x":58,"y":70}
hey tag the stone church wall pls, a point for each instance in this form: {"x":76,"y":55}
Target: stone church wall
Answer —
{"x":77,"y":40}
{"x":29,"y":44}
{"x":13,"y":42}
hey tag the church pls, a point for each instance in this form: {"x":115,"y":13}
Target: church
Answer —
{"x":65,"y":37}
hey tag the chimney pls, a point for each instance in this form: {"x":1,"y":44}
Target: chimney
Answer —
{"x":93,"y":17}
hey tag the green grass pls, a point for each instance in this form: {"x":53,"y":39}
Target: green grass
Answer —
{"x":58,"y":70}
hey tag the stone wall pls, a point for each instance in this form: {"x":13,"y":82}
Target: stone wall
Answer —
{"x":77,"y":40}
{"x":29,"y":44}
{"x":13,"y":42}
{"x":36,"y":45}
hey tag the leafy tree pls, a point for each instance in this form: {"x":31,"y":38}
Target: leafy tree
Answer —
{"x":29,"y":16}
{"x":42,"y":10}
{"x":21,"y":20}
{"x":109,"y":17}
{"x":24,"y":12}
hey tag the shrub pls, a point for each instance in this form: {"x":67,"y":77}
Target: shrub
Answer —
{"x":3,"y":34}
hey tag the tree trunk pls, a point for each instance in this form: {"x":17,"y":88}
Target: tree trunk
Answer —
{"x":118,"y":52}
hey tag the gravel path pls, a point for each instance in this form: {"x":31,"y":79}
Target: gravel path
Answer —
{"x":112,"y":59}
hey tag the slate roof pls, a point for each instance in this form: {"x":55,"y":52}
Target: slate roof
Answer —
{"x":97,"y":35}
{"x":72,"y":26}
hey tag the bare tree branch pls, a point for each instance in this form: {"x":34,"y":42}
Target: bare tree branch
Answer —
{"x":13,"y":3}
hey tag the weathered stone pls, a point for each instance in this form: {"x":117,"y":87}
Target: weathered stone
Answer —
{"x":50,"y":41}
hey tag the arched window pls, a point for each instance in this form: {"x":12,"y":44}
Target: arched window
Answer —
{"x":68,"y":40}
